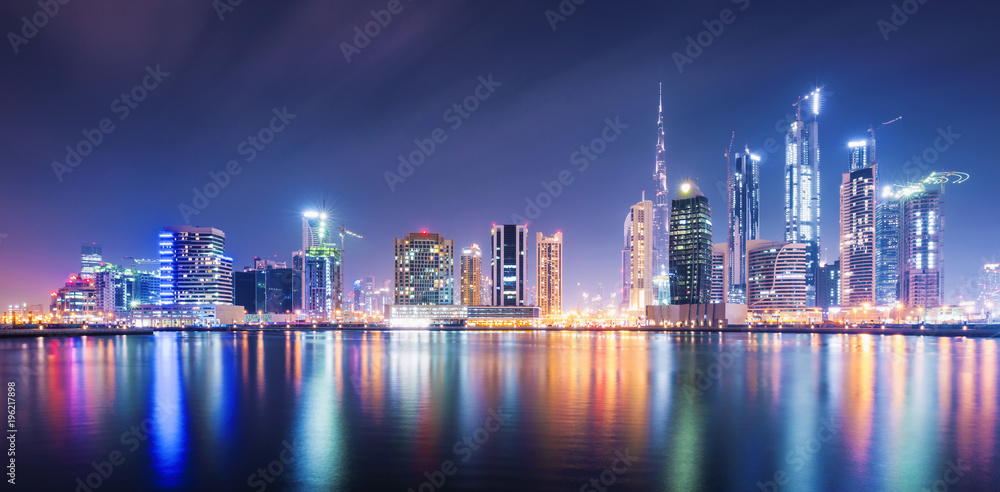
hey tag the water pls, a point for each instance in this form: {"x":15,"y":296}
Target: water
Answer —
{"x":371,"y":411}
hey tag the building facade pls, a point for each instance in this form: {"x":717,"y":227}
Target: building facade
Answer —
{"x":508,"y":263}
{"x":548,"y":273}
{"x":638,"y":257}
{"x":744,"y":222}
{"x":921,"y":261}
{"x":690,"y":246}
{"x":719,"y":270}
{"x":777,"y":275}
{"x":887,"y":249}
{"x":424,"y":270}
{"x":91,"y":256}
{"x":471,"y":276}
{"x":828,"y":285}
{"x":268,"y":290}
{"x":857,"y":238}
{"x":193,"y":266}
{"x":322,"y":292}
{"x":802,"y":186}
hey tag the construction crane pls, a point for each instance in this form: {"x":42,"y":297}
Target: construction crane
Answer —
{"x":344,"y":232}
{"x":872,"y":130}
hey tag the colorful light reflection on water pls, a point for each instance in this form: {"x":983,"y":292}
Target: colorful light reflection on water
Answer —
{"x":384,"y":411}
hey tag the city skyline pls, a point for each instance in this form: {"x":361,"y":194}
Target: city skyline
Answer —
{"x":41,"y":258}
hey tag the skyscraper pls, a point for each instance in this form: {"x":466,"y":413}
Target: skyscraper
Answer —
{"x":507,"y":264}
{"x":690,"y":246}
{"x":719,"y":281}
{"x":661,"y":217}
{"x":322,"y":292}
{"x":802,"y":187}
{"x":776,"y":275}
{"x":424,"y":270}
{"x":471,"y":276}
{"x":325,"y":295}
{"x":548,"y":273}
{"x":639,"y":256}
{"x":857,"y":238}
{"x":887,"y":248}
{"x":91,"y":256}
{"x":921,"y":264}
{"x":193,"y":266}
{"x":862,"y":154}
{"x":744,"y":222}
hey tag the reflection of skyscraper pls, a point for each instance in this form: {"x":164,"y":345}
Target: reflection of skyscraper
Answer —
{"x":91,"y":256}
{"x":802,"y":187}
{"x":661,"y":216}
{"x":690,"y":246}
{"x":857,"y":238}
{"x":425,"y":270}
{"x":744,"y":222}
{"x":548,"y":273}
{"x":508,"y":264}
{"x":471,"y":276}
{"x":638,"y":256}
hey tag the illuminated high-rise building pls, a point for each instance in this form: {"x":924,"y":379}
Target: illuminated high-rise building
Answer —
{"x":921,"y":264}
{"x":744,"y":222}
{"x":719,"y":281}
{"x":887,"y":248}
{"x":91,"y":256}
{"x":862,"y":154}
{"x":638,"y":256}
{"x":776,"y":275}
{"x":661,"y":217}
{"x":857,"y":238}
{"x":193,"y":266}
{"x":508,"y":262}
{"x":988,"y":289}
{"x":690,"y":246}
{"x":802,"y":186}
{"x":424,"y":270}
{"x":471,"y":276}
{"x":322,"y":291}
{"x":548,"y":273}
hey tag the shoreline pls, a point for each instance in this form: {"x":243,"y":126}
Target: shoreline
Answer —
{"x":975,"y":331}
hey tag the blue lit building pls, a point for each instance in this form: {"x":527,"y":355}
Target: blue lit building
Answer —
{"x":193,"y":266}
{"x":802,"y":187}
{"x":744,"y":223}
{"x":887,"y":249}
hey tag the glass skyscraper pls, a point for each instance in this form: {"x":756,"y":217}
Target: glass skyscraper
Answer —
{"x":887,"y":249}
{"x":661,"y":217}
{"x":508,"y":263}
{"x":744,"y":222}
{"x":802,"y":187}
{"x":921,"y":270}
{"x":690,"y":246}
{"x":425,"y":270}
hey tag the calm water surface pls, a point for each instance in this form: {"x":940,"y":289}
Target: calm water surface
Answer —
{"x":371,"y":411}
